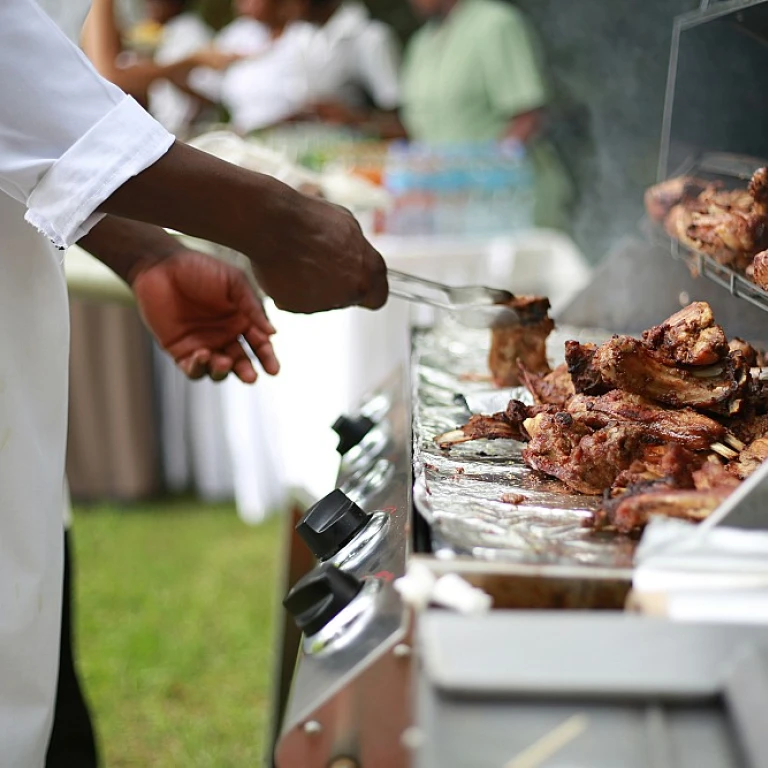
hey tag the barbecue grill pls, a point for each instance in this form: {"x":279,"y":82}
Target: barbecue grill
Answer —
{"x":364,"y":680}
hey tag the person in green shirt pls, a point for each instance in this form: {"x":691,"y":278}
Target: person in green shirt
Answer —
{"x":472,"y":74}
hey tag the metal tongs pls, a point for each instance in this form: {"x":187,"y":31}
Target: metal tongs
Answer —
{"x":472,"y":305}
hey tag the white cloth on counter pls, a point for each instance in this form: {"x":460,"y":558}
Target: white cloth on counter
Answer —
{"x":67,"y":140}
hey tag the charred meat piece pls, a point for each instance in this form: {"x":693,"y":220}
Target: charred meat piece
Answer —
{"x":633,"y":509}
{"x":587,"y":460}
{"x":524,"y":342}
{"x":686,"y":427}
{"x":661,"y":198}
{"x":586,"y":379}
{"x":628,"y":364}
{"x":554,"y":388}
{"x":505,"y":425}
{"x":689,"y":337}
{"x":752,"y":457}
{"x":749,"y":426}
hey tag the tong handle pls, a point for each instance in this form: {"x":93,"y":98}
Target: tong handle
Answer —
{"x":413,"y":279}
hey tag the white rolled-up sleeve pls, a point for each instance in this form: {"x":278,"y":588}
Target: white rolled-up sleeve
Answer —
{"x":68,"y":138}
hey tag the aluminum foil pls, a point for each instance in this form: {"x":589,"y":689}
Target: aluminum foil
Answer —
{"x":460,"y":491}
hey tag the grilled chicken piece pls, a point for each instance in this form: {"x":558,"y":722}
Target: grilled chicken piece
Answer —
{"x":586,"y":379}
{"x":752,"y":457}
{"x":555,"y":388}
{"x":661,"y":198}
{"x":685,"y":427}
{"x":689,"y":337}
{"x":524,"y":342}
{"x":633,"y":509}
{"x":628,"y":364}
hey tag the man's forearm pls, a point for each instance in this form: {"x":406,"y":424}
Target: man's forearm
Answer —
{"x":127,"y":247}
{"x":195,"y":193}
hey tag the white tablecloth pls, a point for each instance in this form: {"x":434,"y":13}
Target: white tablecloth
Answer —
{"x":260,"y":442}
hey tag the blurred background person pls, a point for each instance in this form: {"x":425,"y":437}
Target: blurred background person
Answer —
{"x":268,"y":86}
{"x":353,"y":68}
{"x":472,"y":74}
{"x":182,"y":34}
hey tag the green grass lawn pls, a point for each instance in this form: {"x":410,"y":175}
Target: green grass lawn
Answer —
{"x":175,"y":607}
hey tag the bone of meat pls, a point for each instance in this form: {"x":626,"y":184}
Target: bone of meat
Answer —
{"x":554,"y":388}
{"x":586,"y":379}
{"x":524,"y":342}
{"x":752,"y":457}
{"x":689,"y":337}
{"x":686,"y":427}
{"x":632,"y":511}
{"x":628,"y":364}
{"x":661,"y":198}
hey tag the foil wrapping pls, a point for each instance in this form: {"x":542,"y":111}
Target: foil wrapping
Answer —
{"x":479,"y":497}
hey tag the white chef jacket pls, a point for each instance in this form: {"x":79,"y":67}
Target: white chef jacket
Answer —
{"x":352,"y":56}
{"x":183,"y":36}
{"x":68,"y":139}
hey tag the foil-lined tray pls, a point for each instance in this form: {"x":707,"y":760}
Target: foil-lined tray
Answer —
{"x":460,"y":492}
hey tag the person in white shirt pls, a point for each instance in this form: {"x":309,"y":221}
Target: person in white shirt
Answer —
{"x":353,"y":66}
{"x":184,"y":33}
{"x":82,"y":162}
{"x":269,"y":85}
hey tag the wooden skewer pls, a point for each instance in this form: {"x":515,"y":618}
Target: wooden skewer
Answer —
{"x":551,"y":743}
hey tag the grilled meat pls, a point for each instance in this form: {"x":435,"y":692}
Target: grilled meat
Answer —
{"x":524,"y":342}
{"x":758,"y":190}
{"x":689,"y":337}
{"x":752,"y":457}
{"x":748,"y":352}
{"x":661,"y":198}
{"x":628,"y":364}
{"x":554,"y":388}
{"x":714,"y":475}
{"x":760,"y":269}
{"x":632,"y":510}
{"x":505,"y":425}
{"x":586,"y":378}
{"x":685,"y":427}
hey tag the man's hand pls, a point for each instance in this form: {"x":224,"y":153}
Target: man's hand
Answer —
{"x":308,"y":255}
{"x":198,"y":308}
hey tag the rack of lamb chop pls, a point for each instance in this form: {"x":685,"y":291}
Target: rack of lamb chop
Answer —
{"x":666,"y":424}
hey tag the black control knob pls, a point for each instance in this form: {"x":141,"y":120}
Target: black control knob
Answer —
{"x":351,"y":431}
{"x":330,"y":524}
{"x":320,"y":596}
